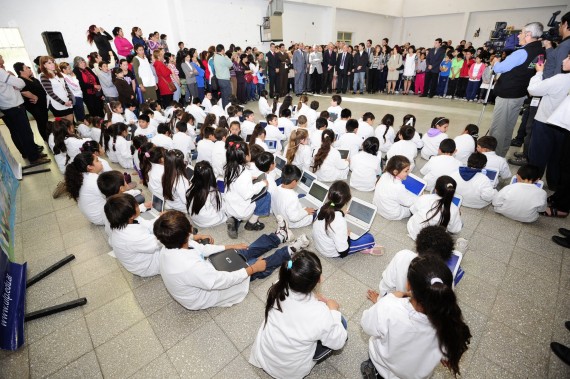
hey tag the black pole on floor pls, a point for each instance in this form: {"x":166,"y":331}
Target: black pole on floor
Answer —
{"x":55,"y":309}
{"x":49,"y":270}
{"x":36,"y":171}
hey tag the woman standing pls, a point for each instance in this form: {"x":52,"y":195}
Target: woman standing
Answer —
{"x":394,"y":63}
{"x":409,"y":69}
{"x":153,"y":42}
{"x":101,"y":38}
{"x":383,"y":69}
{"x":75,"y":87}
{"x":190,"y":73}
{"x":138,"y":39}
{"x":163,"y":73}
{"x":90,"y":86}
{"x":170,"y":59}
{"x":316,"y":68}
{"x":204,"y":56}
{"x":34,"y":97}
{"x":124,"y":47}
{"x":241,"y":68}
{"x":199,"y":75}
{"x":374,"y":71}
{"x":60,"y":98}
{"x":144,"y":74}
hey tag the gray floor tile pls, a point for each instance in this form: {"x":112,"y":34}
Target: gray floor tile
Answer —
{"x":258,"y":288}
{"x":325,"y":370}
{"x":173,"y":323}
{"x":490,"y":247}
{"x":355,"y":351}
{"x":86,"y":367}
{"x":81,"y":235}
{"x":536,"y":265}
{"x":483,"y":267}
{"x":134,"y":281}
{"x":113,"y":318}
{"x":483,"y":368}
{"x":103,"y":290}
{"x":60,"y":348}
{"x":161,"y":367}
{"x":477,"y":323}
{"x":130,"y":351}
{"x":16,"y":364}
{"x":152,"y":296}
{"x":194,"y":359}
{"x":93,"y":269}
{"x":476,"y":293}
{"x":44,"y":292}
{"x":239,"y":364}
{"x":500,"y":228}
{"x":39,"y":227}
{"x":33,"y":208}
{"x":250,"y":315}
{"x":542,"y":247}
{"x":534,"y":289}
{"x":39,"y":262}
{"x":88,"y":250}
{"x":71,"y":219}
{"x":346,"y":290}
{"x":365,"y":268}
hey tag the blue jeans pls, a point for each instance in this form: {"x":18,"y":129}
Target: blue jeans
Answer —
{"x":366,"y":241}
{"x":472,"y":88}
{"x":176,"y":95}
{"x":226,"y":90}
{"x":263,"y":205}
{"x":201,"y":93}
{"x":358,"y":79}
{"x":441,"y":85}
{"x":261,"y":246}
{"x":79,"y":109}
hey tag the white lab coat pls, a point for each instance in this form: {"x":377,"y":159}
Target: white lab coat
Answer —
{"x":184,"y":143}
{"x":155,"y":179}
{"x":365,"y":169}
{"x":520,"y":201}
{"x":431,"y":145}
{"x":264,"y":107}
{"x":395,"y":276}
{"x":365,"y":130}
{"x":163,"y":141}
{"x":91,"y":201}
{"x":437,"y":166}
{"x":392,"y":198}
{"x":477,"y":192}
{"x":197,"y":112}
{"x":247,"y":129}
{"x":349,"y":141}
{"x":303,"y":157}
{"x":386,"y":141}
{"x":209,"y":215}
{"x":499,"y":164}
{"x":333,"y":240}
{"x":273,"y":133}
{"x":406,"y":148}
{"x":219,"y":158}
{"x":123,"y":152}
{"x":421,"y":212}
{"x":465,"y":145}
{"x":285,"y":202}
{"x":74,"y":145}
{"x":339,"y":127}
{"x":181,"y":185}
{"x":149,"y":131}
{"x":333,"y":167}
{"x":205,"y":148}
{"x":239,"y":194}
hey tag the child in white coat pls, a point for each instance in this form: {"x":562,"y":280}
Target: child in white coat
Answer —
{"x":390,"y":196}
{"x":350,"y":140}
{"x":434,"y":136}
{"x":442,"y":164}
{"x":273,"y":133}
{"x":175,"y":184}
{"x":296,"y":320}
{"x":285,"y":201}
{"x":264,"y":107}
{"x":205,"y":146}
{"x":436,"y":209}
{"x":219,"y":151}
{"x":163,"y":137}
{"x":426,"y":317}
{"x":365,"y":166}
{"x":206,"y":205}
{"x":121,"y":147}
{"x":182,"y":141}
{"x":152,"y":167}
{"x":466,"y":143}
{"x":327,"y":162}
{"x":474,"y":186}
{"x":299,"y":153}
{"x":487,"y":145}
{"x":385,"y":133}
{"x":405,"y":146}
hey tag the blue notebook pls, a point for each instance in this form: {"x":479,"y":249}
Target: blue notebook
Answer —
{"x":454,"y":265}
{"x":414,"y":184}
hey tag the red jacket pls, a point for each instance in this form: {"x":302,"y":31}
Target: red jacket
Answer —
{"x":164,"y":78}
{"x":464,"y":72}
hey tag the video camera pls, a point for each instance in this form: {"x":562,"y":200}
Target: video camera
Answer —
{"x":552,"y":33}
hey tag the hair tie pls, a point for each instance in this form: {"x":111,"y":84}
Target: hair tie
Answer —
{"x":147,"y":154}
{"x":332,"y":204}
{"x":238,"y":145}
{"x":449,"y":185}
{"x":436,"y":280}
{"x":231,"y":143}
{"x":58,"y":119}
{"x":438,"y":121}
{"x":289,"y":264}
{"x":410,"y":121}
{"x":476,"y":135}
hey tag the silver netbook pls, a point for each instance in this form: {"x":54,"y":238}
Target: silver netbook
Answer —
{"x":359,"y":217}
{"x":316,"y":196}
{"x":280,"y":162}
{"x":156,"y":210}
{"x":305,"y":182}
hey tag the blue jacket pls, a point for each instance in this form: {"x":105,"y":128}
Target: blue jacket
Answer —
{"x":200,"y":76}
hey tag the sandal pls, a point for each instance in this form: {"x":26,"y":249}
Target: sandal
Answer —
{"x":376,"y":250}
{"x":553,"y":213}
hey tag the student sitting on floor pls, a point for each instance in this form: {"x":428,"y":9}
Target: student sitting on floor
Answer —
{"x":390,"y":196}
{"x":339,"y":126}
{"x":474,"y":186}
{"x":219,"y":151}
{"x":81,"y":184}
{"x":205,"y":146}
{"x":258,"y":136}
{"x":466,"y":143}
{"x":316,"y":136}
{"x":330,"y":230}
{"x":436,"y":209}
{"x":296,"y":320}
{"x":285,"y":200}
{"x":193,"y":281}
{"x":385,"y":133}
{"x":327,"y":162}
{"x":299,"y":153}
{"x":182,"y":141}
{"x":272,"y":130}
{"x":365,"y":128}
{"x":265,"y":163}
{"x":365,"y":166}
{"x":522,"y":201}
{"x":121,"y":147}
{"x":442,"y":164}
{"x":152,"y":167}
{"x":405,"y":146}
{"x":248,"y":123}
{"x":487,"y":146}
{"x":205,"y":203}
{"x":175,"y":184}
{"x":350,"y":140}
{"x":434,"y":136}
{"x":163,"y":137}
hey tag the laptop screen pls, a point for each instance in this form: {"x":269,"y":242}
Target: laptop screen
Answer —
{"x":456,"y":201}
{"x":361,"y":212}
{"x":491,"y":174}
{"x":539,"y":183}
{"x":294,"y":121}
{"x":318,"y":192}
{"x":281,"y":129}
{"x":157,"y":203}
{"x":263,"y":123}
{"x":413,"y":185}
{"x":333,"y":117}
{"x":307,"y":179}
{"x":272,"y":144}
{"x":189,"y":172}
{"x":279,"y":162}
{"x":344,"y":153}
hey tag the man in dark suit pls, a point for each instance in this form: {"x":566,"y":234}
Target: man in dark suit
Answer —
{"x":343,"y":69}
{"x":329,"y":61}
{"x":360,"y":65}
{"x":272,"y":69}
{"x":434,"y":57}
{"x":283,"y":70}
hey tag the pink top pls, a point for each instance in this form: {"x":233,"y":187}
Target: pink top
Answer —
{"x":479,"y":73}
{"x":174,"y":75}
{"x":124,"y":47}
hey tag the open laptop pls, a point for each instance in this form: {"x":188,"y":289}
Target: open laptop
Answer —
{"x":221,"y":185}
{"x":271,"y":144}
{"x":280,"y":162}
{"x":359,"y":217}
{"x":457,"y":200}
{"x":263,"y":123}
{"x":344,"y":153}
{"x":539,"y":183}
{"x":453,"y":263}
{"x":227,"y":260}
{"x":281,"y":129}
{"x":157,"y":208}
{"x":316,"y":196}
{"x":305,"y":182}
{"x":189,"y":172}
{"x":414,"y":184}
{"x":333,"y":116}
{"x":294,"y":121}
{"x":492,"y":175}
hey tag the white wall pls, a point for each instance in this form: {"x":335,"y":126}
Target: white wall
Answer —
{"x":364,"y":25}
{"x":412,"y":8}
{"x":386,"y":7}
{"x":307,"y":23}
{"x":422,"y":31}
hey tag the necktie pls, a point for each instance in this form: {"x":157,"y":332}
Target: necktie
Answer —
{"x":342,"y":61}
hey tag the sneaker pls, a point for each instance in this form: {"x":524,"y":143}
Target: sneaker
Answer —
{"x":448,"y":97}
{"x":283,"y":229}
{"x":254,"y":227}
{"x":376,"y":250}
{"x":368,"y":370}
{"x":519,"y":154}
{"x":59,"y":190}
{"x":518,"y":161}
{"x":299,"y":244}
{"x":461,"y":244}
{"x":232,"y":229}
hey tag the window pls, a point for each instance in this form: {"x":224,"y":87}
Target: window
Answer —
{"x":12,"y":49}
{"x":345,"y":37}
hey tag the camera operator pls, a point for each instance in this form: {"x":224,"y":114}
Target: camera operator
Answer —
{"x":516,"y":71}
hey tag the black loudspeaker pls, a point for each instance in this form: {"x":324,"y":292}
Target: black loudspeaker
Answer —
{"x":55,"y":45}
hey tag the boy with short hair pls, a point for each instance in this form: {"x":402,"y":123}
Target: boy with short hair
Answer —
{"x":130,"y":116}
{"x":157,"y":112}
{"x":316,"y":135}
{"x":182,"y":141}
{"x":235,"y":129}
{"x":365,"y":126}
{"x":265,"y":163}
{"x":339,"y":126}
{"x":474,"y":186}
{"x":248,"y":123}
{"x":335,"y":107}
{"x":205,"y":146}
{"x":444,"y":68}
{"x":442,"y":164}
{"x":272,"y":131}
{"x":145,"y":128}
{"x":350,"y":140}
{"x":106,"y":80}
{"x":196,"y":110}
{"x":153,"y":121}
{"x":207,"y":102}
{"x":456,"y":64}
{"x":163,"y":137}
{"x":522,"y":201}
{"x":285,"y":201}
{"x":487,"y":145}
{"x":219,"y":151}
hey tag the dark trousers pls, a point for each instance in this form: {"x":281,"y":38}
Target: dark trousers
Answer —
{"x":316,"y":82}
{"x":561,"y":198}
{"x":546,"y":149}
{"x":327,"y":80}
{"x":226,"y":91}
{"x":472,"y":89}
{"x":342,"y":81}
{"x":273,"y":83}
{"x":441,"y":85}
{"x":371,"y":83}
{"x":40,"y":114}
{"x":452,"y":86}
{"x":528,"y":128}
{"x":79,"y":109}
{"x":521,"y":132}
{"x":241,"y":89}
{"x":430,"y":86}
{"x":165,"y":100}
{"x":381,"y":80}
{"x":94,"y":105}
{"x":16,"y":119}
{"x":283,"y":82}
{"x":461,"y":87}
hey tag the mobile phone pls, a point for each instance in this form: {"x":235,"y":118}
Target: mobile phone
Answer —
{"x":540,"y":59}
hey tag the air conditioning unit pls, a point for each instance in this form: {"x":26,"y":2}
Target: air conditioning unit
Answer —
{"x":272,"y":28}
{"x":275,"y":7}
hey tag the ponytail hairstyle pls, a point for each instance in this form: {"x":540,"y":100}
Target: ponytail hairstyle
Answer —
{"x":117,"y":130}
{"x":388,"y":121}
{"x":445,"y":188}
{"x":371,"y":145}
{"x":174,"y":168}
{"x":409,"y":120}
{"x":397,"y":163}
{"x":473,"y":131}
{"x":302,"y":101}
{"x":294,"y":142}
{"x":287,"y":104}
{"x":223,"y":123}
{"x":108,"y":112}
{"x":108,"y":133}
{"x":209,"y":122}
{"x":264,"y":94}
{"x":91,"y":146}
{"x":176,"y":117}
{"x":153,"y":155}
{"x":88,"y":120}
{"x":431,"y":285}
{"x":339,"y":194}
{"x":300,"y":274}
{"x":257,"y":131}
{"x":237,"y":154}
{"x":275,"y":103}
{"x":327,"y":140}
{"x":74,"y":173}
{"x":60,"y":133}
{"x":138,"y":141}
{"x":203,"y":183}
{"x":439,"y":121}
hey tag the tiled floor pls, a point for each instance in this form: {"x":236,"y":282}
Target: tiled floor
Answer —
{"x":515,"y":294}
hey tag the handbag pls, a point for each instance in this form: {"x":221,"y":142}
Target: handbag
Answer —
{"x":214,"y":83}
{"x":171,"y":86}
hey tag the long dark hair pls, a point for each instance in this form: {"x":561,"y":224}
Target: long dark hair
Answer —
{"x":118,"y":129}
{"x":473,"y":131}
{"x":60,"y":133}
{"x":327,"y":139}
{"x":388,"y":121}
{"x":74,"y":173}
{"x":287,"y":102}
{"x":236,"y":158}
{"x":431,"y":284}
{"x":174,"y":170}
{"x":203,"y":183}
{"x":301,"y":274}
{"x":257,"y":131}
{"x":147,"y":157}
{"x":110,"y":132}
{"x":445,"y":188}
{"x":275,"y":102}
{"x":339,"y":194}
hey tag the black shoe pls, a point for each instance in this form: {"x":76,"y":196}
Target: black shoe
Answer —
{"x":40,"y":148}
{"x":516,"y":142}
{"x":565,"y":233}
{"x":337,"y":92}
{"x":430,"y":96}
{"x":561,"y":351}
{"x":368,"y":370}
{"x":354,"y":92}
{"x":40,"y":161}
{"x":564,"y":242}
{"x":254,"y":227}
{"x":424,"y":95}
{"x":518,"y":154}
{"x":567,"y":325}
{"x":232,"y":229}
{"x":517,"y":161}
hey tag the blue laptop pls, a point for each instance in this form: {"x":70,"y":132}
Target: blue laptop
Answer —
{"x":414,"y":184}
{"x":454,"y":265}
{"x":539,"y":183}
